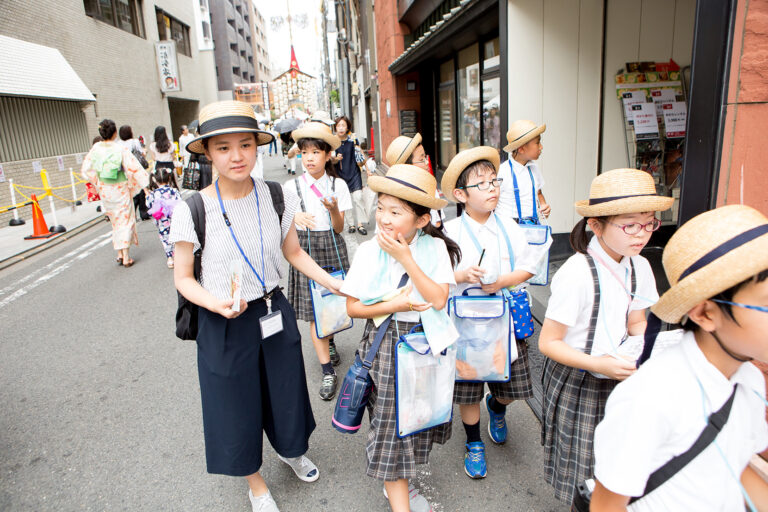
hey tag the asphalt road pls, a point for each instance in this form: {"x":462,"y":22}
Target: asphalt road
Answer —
{"x":101,"y":406}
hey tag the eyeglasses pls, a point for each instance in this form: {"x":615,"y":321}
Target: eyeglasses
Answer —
{"x":747,"y":306}
{"x":414,"y":162}
{"x":634,"y":228}
{"x":485,"y":185}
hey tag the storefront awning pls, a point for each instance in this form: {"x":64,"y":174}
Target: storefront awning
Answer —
{"x":33,"y":70}
{"x":459,"y":27}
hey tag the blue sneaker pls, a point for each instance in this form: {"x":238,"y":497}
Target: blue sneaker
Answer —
{"x":474,"y":460}
{"x":497,"y":425}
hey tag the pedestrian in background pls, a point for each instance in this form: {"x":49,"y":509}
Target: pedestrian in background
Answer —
{"x":184,"y":139}
{"x":117,"y":176}
{"x":160,"y":204}
{"x":162,"y":152}
{"x":251,"y":368}
{"x":347,"y":169}
{"x":133,"y":145}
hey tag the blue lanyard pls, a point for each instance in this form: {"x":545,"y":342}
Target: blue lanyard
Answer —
{"x":535,"y":215}
{"x":261,"y":235}
{"x":479,"y":248}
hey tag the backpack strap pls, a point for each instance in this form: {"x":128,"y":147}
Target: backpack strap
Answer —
{"x":715,"y":424}
{"x":595,"y":305}
{"x":278,"y":201}
{"x":197,"y":209}
{"x":301,"y":196}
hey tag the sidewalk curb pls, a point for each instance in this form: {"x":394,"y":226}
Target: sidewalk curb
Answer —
{"x":51,"y":242}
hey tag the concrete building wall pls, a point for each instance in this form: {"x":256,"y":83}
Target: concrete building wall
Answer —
{"x":118,"y":67}
{"x":743,"y":176}
{"x":556,"y":50}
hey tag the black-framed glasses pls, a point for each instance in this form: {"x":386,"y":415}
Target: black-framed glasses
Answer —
{"x":634,"y":228}
{"x":484,"y":185}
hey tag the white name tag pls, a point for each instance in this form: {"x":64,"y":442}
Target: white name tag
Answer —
{"x":271,"y":323}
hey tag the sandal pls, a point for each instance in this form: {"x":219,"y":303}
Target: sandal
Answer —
{"x":128,"y":263}
{"x":169,"y":262}
{"x":119,"y":260}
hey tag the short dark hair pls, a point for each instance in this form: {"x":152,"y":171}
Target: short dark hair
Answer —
{"x":346,"y":119}
{"x":107,"y":129}
{"x":125,"y":132}
{"x":727,"y":295}
{"x":474,"y":169}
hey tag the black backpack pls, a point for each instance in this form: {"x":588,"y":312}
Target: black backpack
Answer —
{"x":186,"y":312}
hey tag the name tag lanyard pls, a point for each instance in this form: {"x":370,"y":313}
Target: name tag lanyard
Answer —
{"x":267,"y":297}
{"x":465,"y":225}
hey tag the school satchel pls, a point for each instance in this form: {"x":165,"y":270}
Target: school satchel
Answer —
{"x":186,"y":311}
{"x":715,"y":424}
{"x":357,"y":384}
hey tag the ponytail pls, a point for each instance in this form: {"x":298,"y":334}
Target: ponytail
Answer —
{"x":453,"y":249}
{"x":580,"y":237}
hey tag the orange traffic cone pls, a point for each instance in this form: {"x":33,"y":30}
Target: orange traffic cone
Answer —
{"x":40,"y":228}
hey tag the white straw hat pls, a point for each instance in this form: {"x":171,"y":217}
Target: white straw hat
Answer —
{"x":522,"y":131}
{"x":401,"y":148}
{"x":463,"y":160}
{"x":409,"y":183}
{"x":709,"y":254}
{"x":317,"y":130}
{"x":622,"y":191}
{"x":225,"y":117}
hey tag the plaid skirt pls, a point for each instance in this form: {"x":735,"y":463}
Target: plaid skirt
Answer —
{"x":519,"y":386}
{"x":390,"y":457}
{"x":573,"y":404}
{"x":324,"y":254}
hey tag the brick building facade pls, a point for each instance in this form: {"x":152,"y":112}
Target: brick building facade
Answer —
{"x":113,"y":53}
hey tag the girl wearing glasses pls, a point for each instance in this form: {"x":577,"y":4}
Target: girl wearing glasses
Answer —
{"x":599,"y":297}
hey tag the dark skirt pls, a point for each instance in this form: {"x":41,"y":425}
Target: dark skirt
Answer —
{"x":251,"y":386}
{"x":518,"y":387}
{"x":324,"y":253}
{"x":390,"y":457}
{"x":573,"y":404}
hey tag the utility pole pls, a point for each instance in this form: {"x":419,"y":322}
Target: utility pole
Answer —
{"x":326,"y":58}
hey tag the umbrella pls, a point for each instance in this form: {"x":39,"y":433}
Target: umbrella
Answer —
{"x":192,"y":127}
{"x":287,"y":125}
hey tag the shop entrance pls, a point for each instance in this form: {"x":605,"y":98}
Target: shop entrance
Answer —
{"x":182,"y":112}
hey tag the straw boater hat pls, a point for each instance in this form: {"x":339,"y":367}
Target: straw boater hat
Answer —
{"x":622,"y":191}
{"x":227,"y":117}
{"x":409,"y":183}
{"x":321,"y":116}
{"x":463,"y":160}
{"x":317,"y":130}
{"x":401,"y":148}
{"x":521,"y":132}
{"x":710,"y":253}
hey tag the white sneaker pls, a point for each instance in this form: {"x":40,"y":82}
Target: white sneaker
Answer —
{"x":416,"y":502}
{"x":303,"y":467}
{"x":263,"y":503}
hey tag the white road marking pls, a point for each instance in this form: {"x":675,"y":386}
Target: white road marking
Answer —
{"x":53,"y":269}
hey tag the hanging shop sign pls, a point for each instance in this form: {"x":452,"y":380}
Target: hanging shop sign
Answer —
{"x":165,"y":51}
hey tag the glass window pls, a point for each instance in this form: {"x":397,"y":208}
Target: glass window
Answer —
{"x":447,"y":137}
{"x":468,"y":87}
{"x":491,"y":54}
{"x":123,"y":14}
{"x":446,"y":72}
{"x":491,"y":118}
{"x":169,"y":28}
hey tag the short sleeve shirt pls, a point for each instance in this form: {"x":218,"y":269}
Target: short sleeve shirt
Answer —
{"x":507,"y":205}
{"x":312,"y":204}
{"x":368,"y":251}
{"x":220,"y":249}
{"x":660,"y":411}
{"x":496,"y":257}
{"x":573,"y":297}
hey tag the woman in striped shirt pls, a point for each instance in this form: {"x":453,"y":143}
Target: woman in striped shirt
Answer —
{"x":250,"y":363}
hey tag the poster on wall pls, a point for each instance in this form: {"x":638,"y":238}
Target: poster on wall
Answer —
{"x":165,"y":51}
{"x":2,"y":174}
{"x":37,"y":166}
{"x":675,"y":115}
{"x":644,"y":121}
{"x":60,"y":162}
{"x":630,"y":98}
{"x":79,"y":158}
